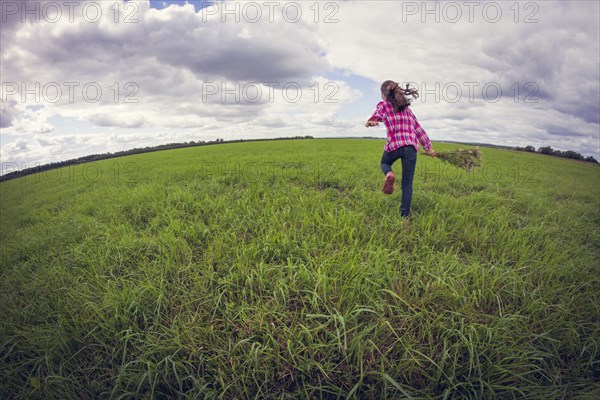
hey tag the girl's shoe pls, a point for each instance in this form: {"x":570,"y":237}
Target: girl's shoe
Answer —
{"x":388,"y":186}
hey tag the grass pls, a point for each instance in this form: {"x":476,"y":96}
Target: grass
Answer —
{"x":279,"y":270}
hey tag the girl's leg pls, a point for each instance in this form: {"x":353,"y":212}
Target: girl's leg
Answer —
{"x":386,"y":166}
{"x":409,"y":163}
{"x":387,"y":159}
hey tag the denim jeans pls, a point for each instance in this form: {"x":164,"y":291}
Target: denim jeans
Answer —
{"x":408,"y":155}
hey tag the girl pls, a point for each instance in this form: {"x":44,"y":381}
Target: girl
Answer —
{"x":403,"y":135}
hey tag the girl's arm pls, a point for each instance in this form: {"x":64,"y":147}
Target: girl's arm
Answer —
{"x":425,"y":142}
{"x":377,"y":116}
{"x":423,"y":138}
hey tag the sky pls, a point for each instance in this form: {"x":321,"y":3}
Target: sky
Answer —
{"x":87,"y":77}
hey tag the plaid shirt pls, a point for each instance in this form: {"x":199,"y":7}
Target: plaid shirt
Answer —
{"x":403,"y":129}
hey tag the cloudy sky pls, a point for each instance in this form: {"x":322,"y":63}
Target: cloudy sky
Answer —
{"x":83,"y":77}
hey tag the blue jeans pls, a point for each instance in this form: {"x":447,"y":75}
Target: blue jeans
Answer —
{"x":408,"y":155}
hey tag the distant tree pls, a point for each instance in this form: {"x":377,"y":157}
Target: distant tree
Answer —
{"x":546,"y":150}
{"x":591,"y":159}
{"x":530,"y":149}
{"x":572,"y":154}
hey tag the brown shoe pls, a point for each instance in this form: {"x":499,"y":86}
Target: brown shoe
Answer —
{"x":388,"y":186}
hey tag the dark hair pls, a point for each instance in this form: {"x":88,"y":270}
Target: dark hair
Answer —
{"x":397,"y":96}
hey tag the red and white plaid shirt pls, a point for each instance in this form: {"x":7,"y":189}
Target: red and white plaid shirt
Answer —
{"x":403,"y":129}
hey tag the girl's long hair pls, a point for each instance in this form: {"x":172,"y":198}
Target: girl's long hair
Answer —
{"x":398,"y":96}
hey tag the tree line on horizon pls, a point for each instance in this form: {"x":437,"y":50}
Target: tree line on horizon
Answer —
{"x":139,"y":150}
{"x":550,"y":151}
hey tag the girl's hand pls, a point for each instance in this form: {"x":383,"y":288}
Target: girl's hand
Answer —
{"x":371,"y":123}
{"x":431,"y":153}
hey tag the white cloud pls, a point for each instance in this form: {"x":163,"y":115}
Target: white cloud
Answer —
{"x":178,"y":74}
{"x":554,"y":61}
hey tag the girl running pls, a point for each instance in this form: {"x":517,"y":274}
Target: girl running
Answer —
{"x":403,"y":137}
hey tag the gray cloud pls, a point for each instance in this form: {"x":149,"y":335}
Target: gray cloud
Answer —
{"x":135,"y":121}
{"x":11,"y":19}
{"x":559,"y":55}
{"x":563,"y":132}
{"x":179,"y":38}
{"x":559,"y":61}
{"x":172,"y":54}
{"x":7,"y":112}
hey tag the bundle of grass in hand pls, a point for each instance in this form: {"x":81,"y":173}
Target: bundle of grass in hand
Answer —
{"x":466,"y":159}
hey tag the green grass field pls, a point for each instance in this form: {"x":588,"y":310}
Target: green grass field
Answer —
{"x":279,"y":270}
